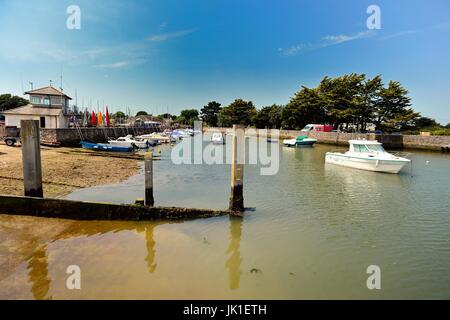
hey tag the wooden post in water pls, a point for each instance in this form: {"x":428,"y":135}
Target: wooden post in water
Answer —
{"x":237,"y":171}
{"x":149,"y":200}
{"x":31,"y":158}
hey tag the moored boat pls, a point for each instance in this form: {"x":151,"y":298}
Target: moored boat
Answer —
{"x":217,"y":138}
{"x":131,"y":142}
{"x":299,"y":142}
{"x":367,"y":155}
{"x":156,"y":137}
{"x":104,"y":147}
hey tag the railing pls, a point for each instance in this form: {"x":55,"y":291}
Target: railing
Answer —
{"x":401,"y":154}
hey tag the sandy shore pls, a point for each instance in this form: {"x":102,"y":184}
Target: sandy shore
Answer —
{"x":63,"y":170}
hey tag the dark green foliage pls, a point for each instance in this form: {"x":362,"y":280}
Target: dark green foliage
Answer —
{"x":209,"y":113}
{"x":238,"y":112}
{"x":8,"y":101}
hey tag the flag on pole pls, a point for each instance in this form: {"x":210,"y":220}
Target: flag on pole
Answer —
{"x":100,"y":119}
{"x":94,"y":119}
{"x":107,"y":117}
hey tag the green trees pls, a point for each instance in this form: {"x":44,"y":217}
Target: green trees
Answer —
{"x":238,"y":112}
{"x":188,"y":116}
{"x":307,"y":106}
{"x":393,"y":112}
{"x":141,"y":113}
{"x":209,"y":113}
{"x":269,"y":117}
{"x":8,"y":101}
{"x":119,"y":115}
{"x":351,"y":101}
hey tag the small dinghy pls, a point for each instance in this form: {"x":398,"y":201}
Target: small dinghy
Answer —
{"x":217,"y":138}
{"x":300,"y":141}
{"x":131,"y":142}
{"x":104,"y":147}
{"x":156,"y":137}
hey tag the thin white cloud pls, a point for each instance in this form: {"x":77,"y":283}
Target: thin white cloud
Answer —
{"x":399,"y":34}
{"x":441,"y":26}
{"x":115,"y":65}
{"x":324,"y":42}
{"x":444,"y":25}
{"x":170,"y":35}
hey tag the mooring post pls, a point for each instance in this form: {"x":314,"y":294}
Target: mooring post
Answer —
{"x":31,"y":158}
{"x":237,"y":170}
{"x":149,"y":200}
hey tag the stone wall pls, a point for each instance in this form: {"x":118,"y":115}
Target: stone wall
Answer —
{"x":390,"y":141}
{"x":425,"y":142}
{"x":72,"y":137}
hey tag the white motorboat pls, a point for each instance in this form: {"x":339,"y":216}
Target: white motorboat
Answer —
{"x":217,"y":138}
{"x":156,"y":137}
{"x":299,"y":142}
{"x":180,"y":134}
{"x":367,"y":155}
{"x":129,"y":141}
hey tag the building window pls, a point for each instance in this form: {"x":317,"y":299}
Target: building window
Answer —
{"x":46,"y":101}
{"x":35,"y":100}
{"x":43,"y":122}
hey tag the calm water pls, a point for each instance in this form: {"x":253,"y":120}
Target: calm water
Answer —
{"x":313,"y":232}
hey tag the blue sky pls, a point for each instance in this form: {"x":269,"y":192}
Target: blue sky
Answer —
{"x":170,"y":55}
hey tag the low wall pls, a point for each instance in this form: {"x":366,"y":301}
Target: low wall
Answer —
{"x":390,"y":141}
{"x":426,"y":142}
{"x":72,"y":137}
{"x":77,"y":210}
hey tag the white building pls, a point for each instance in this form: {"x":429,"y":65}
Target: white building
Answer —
{"x":48,"y":105}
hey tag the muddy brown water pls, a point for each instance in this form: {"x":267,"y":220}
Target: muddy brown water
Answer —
{"x":313,"y":231}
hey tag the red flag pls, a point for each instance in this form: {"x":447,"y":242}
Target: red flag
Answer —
{"x":94,"y":119}
{"x":107,"y":117}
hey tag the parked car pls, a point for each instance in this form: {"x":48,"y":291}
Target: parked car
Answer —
{"x":317,"y":128}
{"x":11,"y":141}
{"x":11,"y":136}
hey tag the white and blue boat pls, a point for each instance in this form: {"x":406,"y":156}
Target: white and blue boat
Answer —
{"x":104,"y":147}
{"x":300,"y":141}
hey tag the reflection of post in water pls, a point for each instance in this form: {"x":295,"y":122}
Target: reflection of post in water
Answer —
{"x":150,"y":248}
{"x":233,"y":263}
{"x":38,"y":273}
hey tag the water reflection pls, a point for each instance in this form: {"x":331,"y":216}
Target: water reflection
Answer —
{"x":38,"y":273}
{"x":150,"y":242}
{"x":32,"y":244}
{"x":233,"y":263}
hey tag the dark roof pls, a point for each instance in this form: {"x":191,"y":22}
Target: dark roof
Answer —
{"x":49,"y":91}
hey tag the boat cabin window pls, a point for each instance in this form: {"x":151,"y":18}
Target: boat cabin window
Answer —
{"x":120,"y":139}
{"x":376,"y":148}
{"x":360,"y":148}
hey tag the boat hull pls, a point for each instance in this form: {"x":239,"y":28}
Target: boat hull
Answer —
{"x":126,"y":144}
{"x":294,"y":143}
{"x":376,"y":165}
{"x":104,"y":147}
